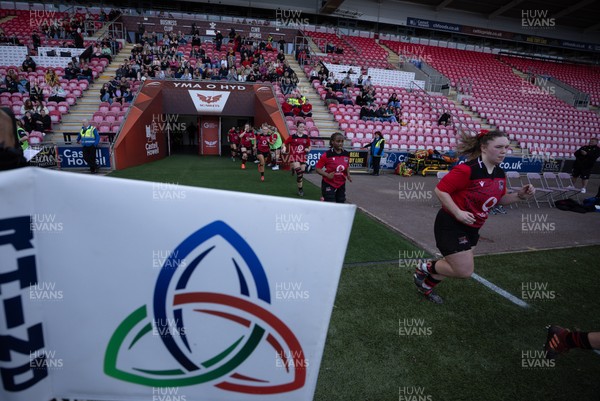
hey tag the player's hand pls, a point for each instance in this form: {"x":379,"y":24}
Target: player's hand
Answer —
{"x":465,"y":217}
{"x":527,"y":191}
{"x":330,"y":175}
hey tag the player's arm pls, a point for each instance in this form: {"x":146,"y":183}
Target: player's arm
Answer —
{"x":319,"y":167}
{"x":523,"y":194}
{"x":457,"y":179}
{"x":284,"y":148}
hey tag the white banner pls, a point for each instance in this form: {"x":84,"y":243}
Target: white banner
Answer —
{"x":115,"y":289}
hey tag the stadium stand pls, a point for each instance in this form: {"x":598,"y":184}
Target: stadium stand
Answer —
{"x":536,"y":120}
{"x":586,"y":78}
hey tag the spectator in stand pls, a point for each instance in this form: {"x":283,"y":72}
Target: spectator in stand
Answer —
{"x":280,"y":56}
{"x":187,"y":75}
{"x":127,"y":95}
{"x":70,"y":72}
{"x":359,"y":81}
{"x":398,"y":115}
{"x":386,"y":114}
{"x":445,"y":119}
{"x":35,"y":38}
{"x":75,"y":63}
{"x":106,"y":94}
{"x":12,"y":86}
{"x":394,"y":101}
{"x":286,"y":84}
{"x":57,"y":94}
{"x":294,"y":79}
{"x":360,"y":101}
{"x":51,"y":78}
{"x":287,"y":109}
{"x":27,"y":106}
{"x":336,"y":86}
{"x":330,"y":97}
{"x":38,"y":107}
{"x":29,"y":64}
{"x":36,"y":92}
{"x":347,"y":99}
{"x":368,"y":95}
{"x":28,"y":122}
{"x":314,"y":73}
{"x":44,"y":122}
{"x":118,"y":95}
{"x":218,"y":40}
{"x":78,"y":39}
{"x":86,"y":73}
{"x":107,"y":53}
{"x":347,"y":83}
{"x":367,"y":82}
{"x":306,"y":110}
{"x":366,"y":114}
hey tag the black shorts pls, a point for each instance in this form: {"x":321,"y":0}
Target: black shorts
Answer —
{"x":452,"y":236}
{"x":331,"y":194}
{"x":581,"y":172}
{"x":266,"y":155}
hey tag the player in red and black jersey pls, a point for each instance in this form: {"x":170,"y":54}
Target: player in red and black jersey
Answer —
{"x":333,"y":166}
{"x":247,"y":144}
{"x":298,"y":146}
{"x":234,"y":141}
{"x":467,"y":194}
{"x":263,"y":149}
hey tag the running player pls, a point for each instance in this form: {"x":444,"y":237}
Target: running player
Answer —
{"x":247,"y":143}
{"x":333,"y":167}
{"x":467,"y":193}
{"x":233,"y":137}
{"x":298,"y":146}
{"x":275,"y":145}
{"x":263,"y":149}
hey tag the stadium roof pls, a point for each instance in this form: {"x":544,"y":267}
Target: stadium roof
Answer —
{"x":583,"y":15}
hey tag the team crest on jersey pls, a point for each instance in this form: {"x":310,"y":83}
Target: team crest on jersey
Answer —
{"x":481,"y":184}
{"x":501,"y":185}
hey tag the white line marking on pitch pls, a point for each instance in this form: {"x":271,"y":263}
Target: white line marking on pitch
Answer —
{"x":500,"y":291}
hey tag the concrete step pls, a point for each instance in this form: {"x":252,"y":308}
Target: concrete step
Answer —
{"x":392,"y":58}
{"x":89,"y":103}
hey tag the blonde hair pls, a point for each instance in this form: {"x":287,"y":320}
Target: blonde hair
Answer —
{"x":470,"y":146}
